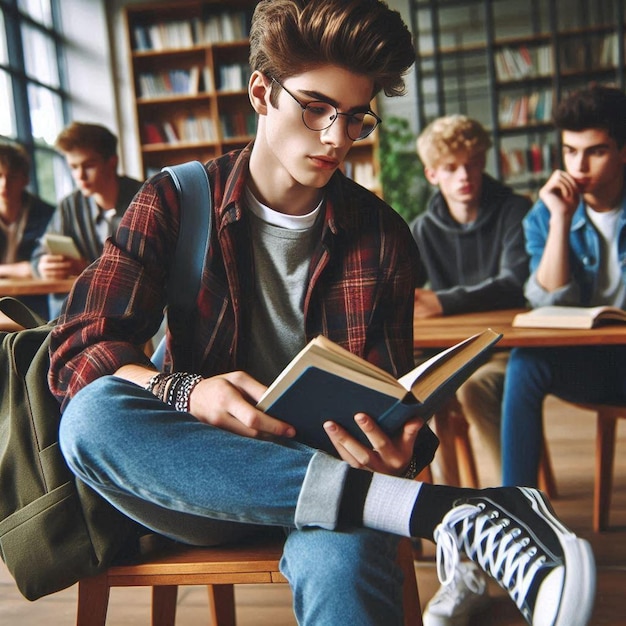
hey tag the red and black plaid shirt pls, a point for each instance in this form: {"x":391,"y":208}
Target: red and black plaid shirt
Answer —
{"x":360,"y":290}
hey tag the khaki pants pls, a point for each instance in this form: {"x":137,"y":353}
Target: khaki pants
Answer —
{"x":481,"y":399}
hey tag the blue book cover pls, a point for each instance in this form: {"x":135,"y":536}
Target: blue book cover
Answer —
{"x":325,"y":382}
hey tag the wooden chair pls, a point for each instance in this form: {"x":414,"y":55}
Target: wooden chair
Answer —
{"x":606,"y":426}
{"x":220,"y":568}
{"x":458,"y":456}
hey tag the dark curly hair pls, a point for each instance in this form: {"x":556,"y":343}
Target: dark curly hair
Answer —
{"x":596,"y":106}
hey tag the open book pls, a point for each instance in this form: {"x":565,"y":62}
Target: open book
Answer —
{"x":326,"y":382}
{"x":569,"y":317}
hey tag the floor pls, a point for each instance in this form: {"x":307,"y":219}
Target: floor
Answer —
{"x":571,"y":436}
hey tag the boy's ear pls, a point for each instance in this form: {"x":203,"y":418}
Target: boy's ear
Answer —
{"x":259,"y":89}
{"x":431,"y":175}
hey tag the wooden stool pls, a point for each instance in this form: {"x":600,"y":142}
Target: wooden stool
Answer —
{"x":458,"y":456}
{"x":606,"y":426}
{"x":220,"y":568}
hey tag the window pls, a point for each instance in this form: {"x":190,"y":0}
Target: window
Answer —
{"x":33,"y":101}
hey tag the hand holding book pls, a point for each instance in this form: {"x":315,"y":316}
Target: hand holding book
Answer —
{"x":326,"y":382}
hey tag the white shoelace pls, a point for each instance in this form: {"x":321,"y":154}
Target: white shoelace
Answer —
{"x":488,"y":540}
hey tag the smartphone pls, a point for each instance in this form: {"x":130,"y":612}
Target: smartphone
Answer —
{"x":61,"y":244}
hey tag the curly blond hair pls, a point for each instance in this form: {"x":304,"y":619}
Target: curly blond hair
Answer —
{"x":450,"y":136}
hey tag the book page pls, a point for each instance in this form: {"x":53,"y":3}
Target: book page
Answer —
{"x":556,"y":316}
{"x":430,"y":375}
{"x":328,"y":356}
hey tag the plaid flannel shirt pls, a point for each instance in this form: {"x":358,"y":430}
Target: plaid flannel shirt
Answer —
{"x":360,"y":289}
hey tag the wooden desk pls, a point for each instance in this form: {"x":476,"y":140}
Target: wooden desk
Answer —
{"x":442,"y":332}
{"x":33,"y":286}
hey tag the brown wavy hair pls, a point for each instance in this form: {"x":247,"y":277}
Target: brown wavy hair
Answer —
{"x":14,"y":158}
{"x":83,"y":136}
{"x":366,"y":37}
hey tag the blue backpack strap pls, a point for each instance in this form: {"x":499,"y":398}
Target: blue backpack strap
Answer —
{"x":194,"y":237}
{"x":194,"y":193}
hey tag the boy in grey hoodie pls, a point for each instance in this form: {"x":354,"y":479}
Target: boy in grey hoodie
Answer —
{"x":471,"y":245}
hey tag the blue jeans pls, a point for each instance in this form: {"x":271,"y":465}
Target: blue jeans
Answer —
{"x":201,"y":485}
{"x":594,"y":374}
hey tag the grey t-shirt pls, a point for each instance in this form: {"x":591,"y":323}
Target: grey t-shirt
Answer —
{"x":282,"y":254}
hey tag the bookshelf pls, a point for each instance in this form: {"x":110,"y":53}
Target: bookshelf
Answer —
{"x":189,"y":63}
{"x":507,"y":64}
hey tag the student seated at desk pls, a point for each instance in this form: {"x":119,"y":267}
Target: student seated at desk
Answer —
{"x":23,"y":219}
{"x":93,"y":211}
{"x":471,"y":246}
{"x":576,"y":237}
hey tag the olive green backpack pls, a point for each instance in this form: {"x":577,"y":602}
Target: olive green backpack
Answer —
{"x":54,"y":530}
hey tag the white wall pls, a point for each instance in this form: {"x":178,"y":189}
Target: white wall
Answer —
{"x":89,"y":64}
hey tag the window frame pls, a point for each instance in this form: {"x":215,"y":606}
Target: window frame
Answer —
{"x":15,"y":66}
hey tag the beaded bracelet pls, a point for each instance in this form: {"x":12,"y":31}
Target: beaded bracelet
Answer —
{"x":183,"y":394}
{"x":174,"y":389}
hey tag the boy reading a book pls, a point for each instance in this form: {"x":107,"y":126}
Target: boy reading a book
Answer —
{"x":91,"y":212}
{"x":296,"y":250}
{"x":576,"y":238}
{"x":471,"y":246}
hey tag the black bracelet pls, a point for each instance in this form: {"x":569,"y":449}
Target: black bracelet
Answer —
{"x":412,"y":470}
{"x":183,"y":391}
{"x":174,"y":389}
{"x":154,"y":381}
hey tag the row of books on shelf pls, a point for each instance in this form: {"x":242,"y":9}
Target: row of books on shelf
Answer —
{"x":362,"y":172}
{"x":172,"y":82}
{"x":238,"y":124}
{"x":190,"y":128}
{"x":523,"y":62}
{"x":536,"y":160}
{"x":182,"y":129}
{"x":225,"y":26}
{"x":233,"y":76}
{"x":526,"y":109}
{"x":592,"y":54}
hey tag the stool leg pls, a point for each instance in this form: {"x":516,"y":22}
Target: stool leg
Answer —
{"x":410,"y":593}
{"x":545,"y":478}
{"x":446,"y":452}
{"x":463,"y":448}
{"x":222,"y":603}
{"x":93,"y":601}
{"x":605,"y":453}
{"x":164,"y":605}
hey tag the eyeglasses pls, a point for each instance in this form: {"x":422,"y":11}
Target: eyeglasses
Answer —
{"x":319,"y":116}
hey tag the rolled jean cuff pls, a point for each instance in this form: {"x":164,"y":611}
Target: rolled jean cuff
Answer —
{"x":322,"y":489}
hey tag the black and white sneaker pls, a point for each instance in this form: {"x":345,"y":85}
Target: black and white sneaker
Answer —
{"x":513,"y":534}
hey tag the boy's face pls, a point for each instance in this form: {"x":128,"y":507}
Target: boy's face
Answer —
{"x":290,"y":154}
{"x":91,"y":172}
{"x":11,"y":187}
{"x":592,"y":158}
{"x":459,"y":177}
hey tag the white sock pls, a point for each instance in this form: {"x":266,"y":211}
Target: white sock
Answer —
{"x":389,"y":504}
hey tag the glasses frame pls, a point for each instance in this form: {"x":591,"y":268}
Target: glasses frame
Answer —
{"x":337,"y":114}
